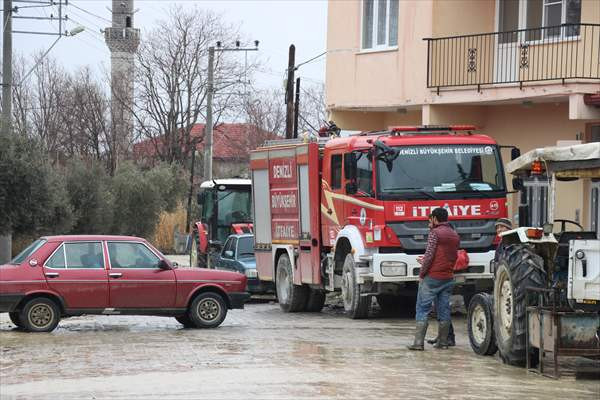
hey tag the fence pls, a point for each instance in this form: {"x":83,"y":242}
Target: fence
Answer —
{"x":568,"y":51}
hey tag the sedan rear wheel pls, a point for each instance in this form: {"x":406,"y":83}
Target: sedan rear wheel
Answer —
{"x":208,"y":310}
{"x":40,"y":314}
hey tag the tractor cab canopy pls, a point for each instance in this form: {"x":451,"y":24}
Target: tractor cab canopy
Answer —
{"x":577,"y":161}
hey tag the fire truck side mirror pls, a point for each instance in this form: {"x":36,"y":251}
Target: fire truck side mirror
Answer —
{"x":350,"y":160}
{"x":351,"y":187}
{"x":515,"y":152}
{"x":517,"y":183}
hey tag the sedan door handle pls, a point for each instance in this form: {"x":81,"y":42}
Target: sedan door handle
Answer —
{"x":115,"y":274}
{"x":51,"y":274}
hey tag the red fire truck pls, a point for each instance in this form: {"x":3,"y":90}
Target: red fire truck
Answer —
{"x":351,"y":213}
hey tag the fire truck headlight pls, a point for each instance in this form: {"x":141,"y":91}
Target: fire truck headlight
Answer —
{"x":393,"y":268}
{"x":251,"y":273}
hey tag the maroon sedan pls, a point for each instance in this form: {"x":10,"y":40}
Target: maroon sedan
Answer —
{"x":63,"y":276}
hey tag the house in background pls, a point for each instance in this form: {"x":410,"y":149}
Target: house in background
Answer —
{"x":527,"y":72}
{"x":232,"y":144}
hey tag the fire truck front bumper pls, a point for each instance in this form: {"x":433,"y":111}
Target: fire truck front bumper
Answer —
{"x":400,"y":267}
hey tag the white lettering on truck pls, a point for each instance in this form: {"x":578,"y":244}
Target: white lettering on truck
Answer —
{"x":283,"y":200}
{"x":453,"y":211}
{"x":282,"y":171}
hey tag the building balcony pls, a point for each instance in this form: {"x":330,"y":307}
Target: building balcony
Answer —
{"x":121,"y":34}
{"x":568,"y":52}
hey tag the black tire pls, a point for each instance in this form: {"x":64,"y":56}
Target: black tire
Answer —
{"x":355,"y":305}
{"x":185,"y":321}
{"x":480,"y":325}
{"x":315,"y":301}
{"x":40,"y":314}
{"x":208,"y":310}
{"x":518,"y":269}
{"x":291,"y":298}
{"x":14,"y":318}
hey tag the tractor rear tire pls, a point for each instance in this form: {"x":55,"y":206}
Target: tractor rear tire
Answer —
{"x":315,"y":301}
{"x":291,"y":297}
{"x":480,"y":325}
{"x":355,"y":305}
{"x":518,"y":268}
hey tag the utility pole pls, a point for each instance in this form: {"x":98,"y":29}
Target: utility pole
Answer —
{"x":297,"y":108}
{"x":289,"y":93}
{"x":6,"y":238}
{"x":208,"y":127}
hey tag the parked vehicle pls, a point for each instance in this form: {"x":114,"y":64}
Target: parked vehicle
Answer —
{"x":63,"y":276}
{"x":225,"y":209}
{"x":556,"y":272}
{"x":350,"y":213}
{"x":238,"y":255}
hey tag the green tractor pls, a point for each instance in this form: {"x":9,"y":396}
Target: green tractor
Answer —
{"x":540,"y":265}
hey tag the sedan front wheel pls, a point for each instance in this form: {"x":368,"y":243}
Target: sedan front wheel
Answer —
{"x":208,"y":310}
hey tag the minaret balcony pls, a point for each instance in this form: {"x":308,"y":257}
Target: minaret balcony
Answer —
{"x":122,"y":33}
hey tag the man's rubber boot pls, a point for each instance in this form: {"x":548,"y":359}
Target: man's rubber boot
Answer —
{"x":443,"y":330}
{"x":420,"y":332}
{"x":451,"y":338}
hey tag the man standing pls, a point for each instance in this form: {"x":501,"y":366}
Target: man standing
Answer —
{"x":502,"y":225}
{"x":436,"y":278}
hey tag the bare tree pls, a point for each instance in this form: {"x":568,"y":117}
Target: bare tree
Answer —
{"x":171,"y":80}
{"x":313,"y":109}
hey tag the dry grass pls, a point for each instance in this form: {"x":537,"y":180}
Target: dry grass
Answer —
{"x":168,"y":224}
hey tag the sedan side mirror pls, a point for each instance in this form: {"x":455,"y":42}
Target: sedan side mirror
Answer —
{"x":228,"y":253}
{"x":163,"y":264}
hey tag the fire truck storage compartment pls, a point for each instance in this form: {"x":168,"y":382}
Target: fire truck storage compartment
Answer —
{"x":285,"y":180}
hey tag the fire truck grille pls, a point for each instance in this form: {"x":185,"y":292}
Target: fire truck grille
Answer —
{"x":475,"y":234}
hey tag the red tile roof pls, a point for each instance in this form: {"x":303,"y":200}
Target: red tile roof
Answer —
{"x":230,"y":141}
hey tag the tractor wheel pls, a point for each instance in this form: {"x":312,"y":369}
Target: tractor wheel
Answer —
{"x":518,"y":269}
{"x":292,"y":298}
{"x":355,"y":305}
{"x":480,"y":325}
{"x":315,"y":301}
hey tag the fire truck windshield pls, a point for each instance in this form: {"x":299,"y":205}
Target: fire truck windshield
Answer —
{"x":441,"y":171}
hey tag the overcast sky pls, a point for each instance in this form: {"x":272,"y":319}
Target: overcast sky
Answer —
{"x":276,"y":24}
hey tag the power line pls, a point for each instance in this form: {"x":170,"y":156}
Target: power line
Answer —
{"x":310,"y":60}
{"x":90,"y":13}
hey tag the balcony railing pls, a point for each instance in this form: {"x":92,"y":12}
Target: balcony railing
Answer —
{"x":568,"y":51}
{"x":121,"y":33}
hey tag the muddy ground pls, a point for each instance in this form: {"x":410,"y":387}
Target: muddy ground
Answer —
{"x":259,"y":353}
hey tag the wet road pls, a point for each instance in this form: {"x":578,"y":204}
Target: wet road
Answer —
{"x":258,"y":353}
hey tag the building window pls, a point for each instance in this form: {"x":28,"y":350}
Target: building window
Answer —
{"x":551,"y":13}
{"x":128,"y":22}
{"x":379,"y":24}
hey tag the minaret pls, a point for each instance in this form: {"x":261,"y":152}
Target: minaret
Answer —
{"x":123,"y":40}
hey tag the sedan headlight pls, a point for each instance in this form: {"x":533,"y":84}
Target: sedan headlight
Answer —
{"x":393,"y":268}
{"x":251,"y":273}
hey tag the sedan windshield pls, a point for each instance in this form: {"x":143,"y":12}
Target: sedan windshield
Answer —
{"x":29,"y":250}
{"x":435,"y":171}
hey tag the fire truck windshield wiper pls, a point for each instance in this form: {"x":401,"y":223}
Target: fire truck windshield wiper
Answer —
{"x":411,"y":191}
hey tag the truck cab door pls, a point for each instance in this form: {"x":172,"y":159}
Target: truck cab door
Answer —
{"x":332,"y":205}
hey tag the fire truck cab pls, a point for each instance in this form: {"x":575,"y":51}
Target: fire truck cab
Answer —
{"x":351,"y":213}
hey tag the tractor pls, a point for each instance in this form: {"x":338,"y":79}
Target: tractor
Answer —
{"x":226,"y":208}
{"x":542,"y":275}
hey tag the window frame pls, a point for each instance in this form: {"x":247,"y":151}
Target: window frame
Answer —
{"x":134,"y":242}
{"x":63,"y":246}
{"x":374,"y":46}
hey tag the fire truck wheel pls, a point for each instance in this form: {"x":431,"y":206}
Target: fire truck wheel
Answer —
{"x":292,"y":298}
{"x":355,"y":305}
{"x":316,"y":300}
{"x":518,"y":269}
{"x":480,"y":325}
